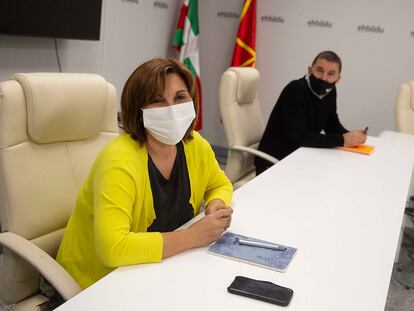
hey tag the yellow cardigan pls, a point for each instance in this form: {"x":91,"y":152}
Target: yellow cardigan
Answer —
{"x":107,"y":228}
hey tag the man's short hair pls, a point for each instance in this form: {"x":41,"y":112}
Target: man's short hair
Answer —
{"x":330,"y":57}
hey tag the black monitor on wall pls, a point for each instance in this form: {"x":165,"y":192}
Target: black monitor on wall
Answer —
{"x":69,"y":19}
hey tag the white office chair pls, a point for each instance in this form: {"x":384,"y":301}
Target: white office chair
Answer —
{"x":52,"y":125}
{"x":243,"y":122}
{"x":404,"y":108}
{"x":404,"y":123}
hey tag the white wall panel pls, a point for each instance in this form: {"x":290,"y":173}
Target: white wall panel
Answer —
{"x":375,"y":64}
{"x":136,"y":31}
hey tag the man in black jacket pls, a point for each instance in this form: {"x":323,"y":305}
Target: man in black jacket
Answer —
{"x":305,"y":114}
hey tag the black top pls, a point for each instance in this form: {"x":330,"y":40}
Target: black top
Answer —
{"x":297,"y":120}
{"x":171,"y":197}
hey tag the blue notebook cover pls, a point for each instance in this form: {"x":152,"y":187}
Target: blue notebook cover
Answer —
{"x":227,"y":246}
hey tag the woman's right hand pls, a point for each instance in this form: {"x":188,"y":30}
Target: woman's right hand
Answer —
{"x":202,"y":233}
{"x":209,"y":228}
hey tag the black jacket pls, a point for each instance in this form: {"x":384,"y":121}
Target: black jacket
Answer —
{"x":297,"y":120}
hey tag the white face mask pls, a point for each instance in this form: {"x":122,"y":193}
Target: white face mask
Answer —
{"x":169,"y":124}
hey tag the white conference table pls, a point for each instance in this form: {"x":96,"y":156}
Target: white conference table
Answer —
{"x":343,"y":211}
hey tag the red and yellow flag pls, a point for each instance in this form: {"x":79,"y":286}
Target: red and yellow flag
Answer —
{"x":244,"y":54}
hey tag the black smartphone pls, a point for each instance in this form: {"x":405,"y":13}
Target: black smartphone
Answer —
{"x":261,"y":290}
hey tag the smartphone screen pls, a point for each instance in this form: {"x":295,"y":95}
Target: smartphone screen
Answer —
{"x":261,"y":290}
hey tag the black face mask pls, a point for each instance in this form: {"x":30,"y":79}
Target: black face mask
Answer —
{"x":319,"y":86}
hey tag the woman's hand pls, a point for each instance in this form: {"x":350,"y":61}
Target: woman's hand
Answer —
{"x":209,"y":228}
{"x":215,"y":205}
{"x":201,"y":233}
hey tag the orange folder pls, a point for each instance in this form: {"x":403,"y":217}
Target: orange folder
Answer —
{"x":364,"y":149}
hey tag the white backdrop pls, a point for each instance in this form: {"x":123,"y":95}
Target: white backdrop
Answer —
{"x":374,"y":63}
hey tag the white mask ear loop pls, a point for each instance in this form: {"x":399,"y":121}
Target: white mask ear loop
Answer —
{"x":307,"y":78}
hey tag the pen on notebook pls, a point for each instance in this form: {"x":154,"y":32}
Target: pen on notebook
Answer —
{"x":366,"y":130}
{"x":242,"y":241}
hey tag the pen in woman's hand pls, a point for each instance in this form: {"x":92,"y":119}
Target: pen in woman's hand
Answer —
{"x":366,"y":130}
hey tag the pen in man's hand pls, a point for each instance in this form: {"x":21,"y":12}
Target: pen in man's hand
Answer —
{"x":242,"y":241}
{"x":366,"y":130}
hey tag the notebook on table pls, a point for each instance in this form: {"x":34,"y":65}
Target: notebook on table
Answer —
{"x":227,"y":246}
{"x":363,"y":149}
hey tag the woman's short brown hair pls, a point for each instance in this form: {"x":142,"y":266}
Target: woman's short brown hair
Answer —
{"x":146,"y":83}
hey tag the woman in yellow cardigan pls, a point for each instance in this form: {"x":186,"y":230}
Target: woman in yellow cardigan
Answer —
{"x":148,"y":181}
